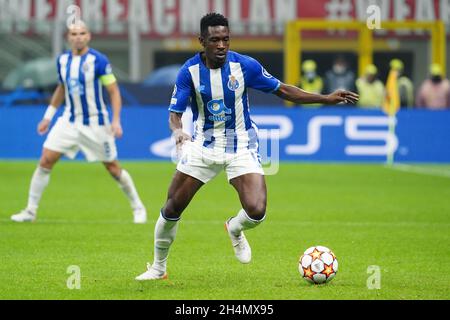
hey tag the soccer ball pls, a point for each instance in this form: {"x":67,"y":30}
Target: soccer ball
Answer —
{"x":318,"y":265}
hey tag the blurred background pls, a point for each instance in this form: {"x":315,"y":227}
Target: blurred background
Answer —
{"x":148,"y":40}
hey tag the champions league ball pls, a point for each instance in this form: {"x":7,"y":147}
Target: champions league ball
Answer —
{"x":318,"y":265}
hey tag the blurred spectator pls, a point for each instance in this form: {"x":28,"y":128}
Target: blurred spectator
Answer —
{"x":311,"y":81}
{"x":39,"y":73}
{"x":370,"y":89}
{"x":164,"y":76}
{"x":434,"y":92}
{"x":405,"y":85}
{"x":339,"y":77}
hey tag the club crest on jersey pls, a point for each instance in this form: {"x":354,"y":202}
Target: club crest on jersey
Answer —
{"x":233,"y":83}
{"x":87,"y":67}
{"x":219,"y":110}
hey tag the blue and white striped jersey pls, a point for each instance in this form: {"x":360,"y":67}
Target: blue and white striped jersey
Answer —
{"x":219,"y":100}
{"x":80,"y":76}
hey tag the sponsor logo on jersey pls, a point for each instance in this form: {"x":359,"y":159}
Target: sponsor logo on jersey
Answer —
{"x":75,"y":87}
{"x":219,"y":110}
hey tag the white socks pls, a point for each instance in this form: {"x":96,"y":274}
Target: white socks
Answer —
{"x":242,"y":222}
{"x":41,"y":178}
{"x":39,"y":181}
{"x":127,"y":185}
{"x":165,"y":231}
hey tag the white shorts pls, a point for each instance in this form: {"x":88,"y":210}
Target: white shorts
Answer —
{"x":96,"y":142}
{"x":203,"y":164}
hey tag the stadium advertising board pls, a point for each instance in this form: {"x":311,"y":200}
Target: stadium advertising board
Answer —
{"x":329,"y":134}
{"x":179,"y":18}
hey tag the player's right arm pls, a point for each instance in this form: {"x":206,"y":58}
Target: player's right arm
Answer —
{"x":176,"y":127}
{"x":55,"y":102}
{"x":178,"y":104}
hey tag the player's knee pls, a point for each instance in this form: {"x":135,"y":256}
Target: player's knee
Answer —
{"x":113,"y":169}
{"x":114,"y":173}
{"x":256,"y":210}
{"x":172,"y":209}
{"x":46,"y":162}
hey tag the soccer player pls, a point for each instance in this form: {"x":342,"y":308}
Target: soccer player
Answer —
{"x":215,"y":83}
{"x":85,"y":124}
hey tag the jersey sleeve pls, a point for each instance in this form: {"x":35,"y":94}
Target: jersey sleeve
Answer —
{"x":258,"y":78}
{"x":103,"y":66}
{"x":104,"y":71}
{"x":182,"y":92}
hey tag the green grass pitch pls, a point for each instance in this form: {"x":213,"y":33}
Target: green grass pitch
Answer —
{"x":367,"y":214}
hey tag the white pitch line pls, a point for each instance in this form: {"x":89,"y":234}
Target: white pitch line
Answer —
{"x":420,"y":170}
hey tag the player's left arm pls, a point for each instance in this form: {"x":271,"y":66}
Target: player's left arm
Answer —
{"x":299,"y":96}
{"x":109,"y":81}
{"x":258,"y":78}
{"x":116,"y":105}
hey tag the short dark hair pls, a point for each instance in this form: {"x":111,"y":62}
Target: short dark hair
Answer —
{"x":212,"y":19}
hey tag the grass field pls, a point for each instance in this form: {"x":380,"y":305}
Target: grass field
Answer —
{"x":368,"y":215}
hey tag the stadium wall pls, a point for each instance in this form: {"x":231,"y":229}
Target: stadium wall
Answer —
{"x":327,"y":134}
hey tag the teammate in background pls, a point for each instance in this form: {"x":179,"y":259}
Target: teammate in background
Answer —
{"x":85,"y":123}
{"x":215,"y":83}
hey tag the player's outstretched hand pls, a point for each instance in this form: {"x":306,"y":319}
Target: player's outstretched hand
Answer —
{"x":43,"y":126}
{"x":117,"y":129}
{"x":342,"y":96}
